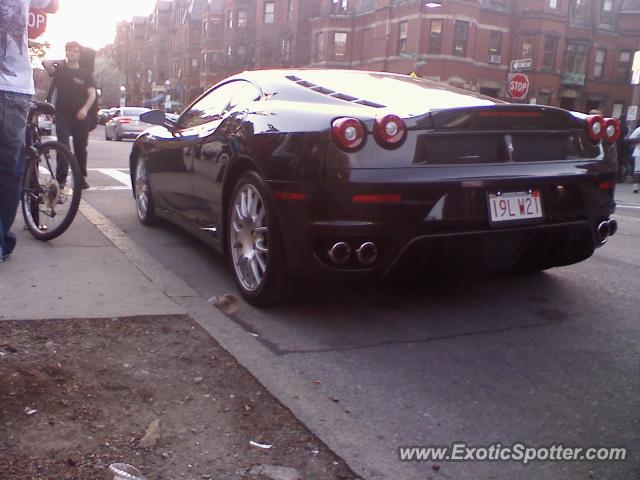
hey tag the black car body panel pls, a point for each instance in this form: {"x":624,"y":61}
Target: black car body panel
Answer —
{"x":430,"y":193}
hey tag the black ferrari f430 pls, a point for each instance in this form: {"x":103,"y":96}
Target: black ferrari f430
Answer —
{"x":342,"y":172}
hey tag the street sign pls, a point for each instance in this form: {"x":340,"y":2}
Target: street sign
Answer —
{"x":518,"y":85}
{"x":420,"y":63}
{"x":407,"y":55}
{"x":37,"y":23}
{"x":521,"y":65}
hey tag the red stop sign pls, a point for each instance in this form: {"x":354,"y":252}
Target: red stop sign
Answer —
{"x":37,"y":23}
{"x":518,"y":85}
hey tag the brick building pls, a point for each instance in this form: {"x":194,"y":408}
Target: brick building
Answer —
{"x":580,"y":50}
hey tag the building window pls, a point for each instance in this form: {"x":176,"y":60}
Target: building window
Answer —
{"x":339,"y":6}
{"x":578,"y":10}
{"x":624,"y":67}
{"x":544,"y":98}
{"x":243,"y":18}
{"x":617,"y":109}
{"x":527,"y":46}
{"x":598,"y":66}
{"x":402,"y":36}
{"x":553,"y":4}
{"x":269,"y":14}
{"x":286,"y":50}
{"x":460,"y":34}
{"x":550,"y":47}
{"x":495,"y":42}
{"x":319,"y":47}
{"x":290,"y":10}
{"x":435,"y":37}
{"x":214,"y":27}
{"x":576,"y":58}
{"x":339,"y":45}
{"x":606,"y":14}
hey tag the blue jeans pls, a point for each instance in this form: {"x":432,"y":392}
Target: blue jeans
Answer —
{"x":13,"y":122}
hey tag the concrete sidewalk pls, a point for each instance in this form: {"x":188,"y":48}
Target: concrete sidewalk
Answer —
{"x":80,"y":274}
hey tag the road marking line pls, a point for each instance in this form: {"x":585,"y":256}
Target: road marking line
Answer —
{"x":109,"y":187}
{"x":116,"y":174}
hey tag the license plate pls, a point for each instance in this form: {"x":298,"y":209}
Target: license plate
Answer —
{"x":513,"y":206}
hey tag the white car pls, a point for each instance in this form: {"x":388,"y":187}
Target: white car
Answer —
{"x":45,"y":124}
{"x":125,"y":123}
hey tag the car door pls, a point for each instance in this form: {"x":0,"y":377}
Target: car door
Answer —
{"x":208,"y":155}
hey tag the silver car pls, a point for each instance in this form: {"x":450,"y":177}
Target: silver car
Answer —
{"x":125,"y":123}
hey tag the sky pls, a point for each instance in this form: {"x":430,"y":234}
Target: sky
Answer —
{"x":90,"y":22}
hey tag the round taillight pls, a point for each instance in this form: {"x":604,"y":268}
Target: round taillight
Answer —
{"x":611,"y":129}
{"x":389,"y":130}
{"x":595,"y":127}
{"x":348,"y":133}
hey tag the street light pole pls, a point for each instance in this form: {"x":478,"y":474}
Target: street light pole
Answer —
{"x":167,"y":95}
{"x":123,"y":96}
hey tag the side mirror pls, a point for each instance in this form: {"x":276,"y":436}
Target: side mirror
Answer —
{"x":154,"y":117}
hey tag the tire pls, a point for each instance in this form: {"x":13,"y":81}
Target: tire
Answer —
{"x":254,"y":243}
{"x":106,"y":134}
{"x":49,"y":205}
{"x":145,"y":207}
{"x":117,"y":136}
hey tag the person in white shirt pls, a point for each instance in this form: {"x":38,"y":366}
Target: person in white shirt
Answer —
{"x":16,"y":88}
{"x":634,"y":139}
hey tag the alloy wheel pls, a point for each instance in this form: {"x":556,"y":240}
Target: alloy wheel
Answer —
{"x":248,"y":235}
{"x":142,"y":190}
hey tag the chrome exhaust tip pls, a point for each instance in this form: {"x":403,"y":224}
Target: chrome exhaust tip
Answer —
{"x":340,"y":253}
{"x":603,"y":231}
{"x":613,"y":226}
{"x":367,"y":253}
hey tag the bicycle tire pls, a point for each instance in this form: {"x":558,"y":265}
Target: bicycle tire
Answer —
{"x":42,"y":197}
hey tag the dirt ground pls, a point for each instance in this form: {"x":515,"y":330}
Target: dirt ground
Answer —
{"x":79,"y":395}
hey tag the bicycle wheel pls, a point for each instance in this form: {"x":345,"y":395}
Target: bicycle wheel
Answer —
{"x":51,"y":190}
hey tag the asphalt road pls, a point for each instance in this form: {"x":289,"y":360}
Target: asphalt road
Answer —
{"x":541,"y":359}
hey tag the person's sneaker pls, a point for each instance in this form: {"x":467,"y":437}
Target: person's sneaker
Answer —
{"x":85,"y":185}
{"x":635,"y":188}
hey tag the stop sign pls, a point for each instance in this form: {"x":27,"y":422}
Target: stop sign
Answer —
{"x":37,"y":23}
{"x":518,"y":85}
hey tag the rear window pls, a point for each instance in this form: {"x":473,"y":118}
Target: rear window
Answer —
{"x":403,"y":95}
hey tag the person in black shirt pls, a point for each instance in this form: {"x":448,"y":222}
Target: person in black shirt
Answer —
{"x":76,"y":93}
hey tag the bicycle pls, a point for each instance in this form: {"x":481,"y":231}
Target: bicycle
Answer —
{"x":51,"y":187}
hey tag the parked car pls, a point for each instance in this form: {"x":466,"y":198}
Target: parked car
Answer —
{"x":103,"y":116}
{"x":125,"y":123}
{"x":45,"y":124}
{"x":344,"y":173}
